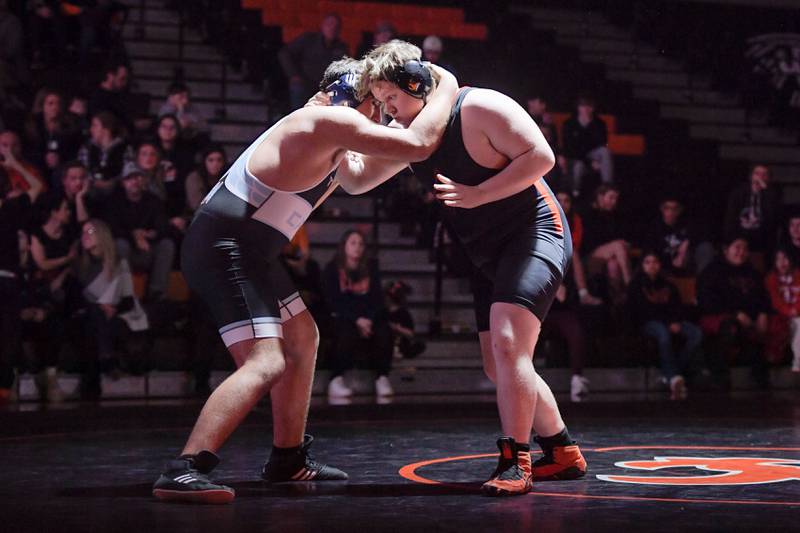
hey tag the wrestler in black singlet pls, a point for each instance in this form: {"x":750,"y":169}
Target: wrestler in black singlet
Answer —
{"x":520,"y":246}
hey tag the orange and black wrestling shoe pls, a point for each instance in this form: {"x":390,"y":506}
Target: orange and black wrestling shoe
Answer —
{"x":513,"y":474}
{"x":560,"y":463}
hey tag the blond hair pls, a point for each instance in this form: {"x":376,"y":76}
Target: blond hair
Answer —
{"x":106,"y":246}
{"x":384,"y":59}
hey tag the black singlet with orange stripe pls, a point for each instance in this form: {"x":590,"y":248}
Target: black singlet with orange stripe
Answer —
{"x":484,"y":230}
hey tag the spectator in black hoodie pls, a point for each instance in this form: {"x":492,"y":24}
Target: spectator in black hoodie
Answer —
{"x":355,"y":296}
{"x":138,"y":220}
{"x":604,"y":242}
{"x":585,"y":137}
{"x":754,"y":211}
{"x":734,"y":305}
{"x":655,"y":307}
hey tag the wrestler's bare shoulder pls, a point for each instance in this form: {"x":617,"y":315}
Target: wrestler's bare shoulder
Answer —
{"x":482,"y":101}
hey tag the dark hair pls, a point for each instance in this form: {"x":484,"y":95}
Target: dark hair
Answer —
{"x":585,"y":100}
{"x":362,"y":270}
{"x":111,"y":67}
{"x":172,"y":117}
{"x":177,"y":87}
{"x":149,"y":141}
{"x":212,"y":148}
{"x":650,"y":252}
{"x":108,"y":120}
{"x":338,"y":68}
{"x":755,"y":166}
{"x":49,"y":202}
{"x":603,"y":188}
{"x":729,"y":239}
{"x":785,"y":251}
{"x":70,"y":165}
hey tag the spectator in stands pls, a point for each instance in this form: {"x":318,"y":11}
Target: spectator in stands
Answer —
{"x":78,"y":114}
{"x":77,"y":187}
{"x":734,"y":307}
{"x":537,"y":108}
{"x":138,"y":220}
{"x":783,"y":286}
{"x":112,"y":310}
{"x":14,"y":73}
{"x":210,"y":171}
{"x":384,"y":32}
{"x":47,"y":32}
{"x":354,"y":295}
{"x":576,"y":228}
{"x":656,"y":309}
{"x":177,"y":158}
{"x":305,"y":59}
{"x":564,"y":322}
{"x":754,"y":211}
{"x":15,"y":207}
{"x":401,"y":322}
{"x":604,"y":238}
{"x":101,"y":24}
{"x":51,"y":137}
{"x":18,"y":168}
{"x":673,"y":239}
{"x":179,"y":105}
{"x":790,"y":241}
{"x":148,"y":161}
{"x":585,"y":138}
{"x":432,"y":49}
{"x":109,"y":95}
{"x":104,"y":153}
{"x":53,"y":250}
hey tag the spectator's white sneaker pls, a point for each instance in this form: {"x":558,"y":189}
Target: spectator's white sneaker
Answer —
{"x":579,"y":388}
{"x":677,"y":386}
{"x":383,"y":387}
{"x":338,"y":389}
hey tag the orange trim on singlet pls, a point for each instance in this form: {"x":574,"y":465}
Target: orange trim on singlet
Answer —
{"x":551,"y":204}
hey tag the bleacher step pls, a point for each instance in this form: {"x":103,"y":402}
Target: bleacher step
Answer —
{"x":760,"y":153}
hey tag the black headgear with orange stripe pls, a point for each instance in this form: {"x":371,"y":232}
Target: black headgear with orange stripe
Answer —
{"x":413,"y":78}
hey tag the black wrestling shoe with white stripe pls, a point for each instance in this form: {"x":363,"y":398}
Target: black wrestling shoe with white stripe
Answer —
{"x":186,"y":480}
{"x":296,"y":464}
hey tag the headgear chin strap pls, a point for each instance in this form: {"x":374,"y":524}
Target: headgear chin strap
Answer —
{"x":413,"y":78}
{"x":343,"y":91}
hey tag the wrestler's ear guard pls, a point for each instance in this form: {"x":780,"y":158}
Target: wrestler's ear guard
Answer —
{"x":413,"y":78}
{"x":343,"y":91}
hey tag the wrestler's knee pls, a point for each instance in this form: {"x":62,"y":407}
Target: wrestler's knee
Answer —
{"x":505,"y":347}
{"x":266,"y":364}
{"x":301,"y":337}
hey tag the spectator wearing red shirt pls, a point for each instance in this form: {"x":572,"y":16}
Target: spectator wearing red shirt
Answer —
{"x":11,"y":149}
{"x":783,"y":286}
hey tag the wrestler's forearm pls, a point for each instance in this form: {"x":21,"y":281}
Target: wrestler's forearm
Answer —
{"x":358,"y":173}
{"x":520,"y":174}
{"x":430,"y":123}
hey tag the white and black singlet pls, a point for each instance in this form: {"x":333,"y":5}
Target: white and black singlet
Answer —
{"x":230,"y":254}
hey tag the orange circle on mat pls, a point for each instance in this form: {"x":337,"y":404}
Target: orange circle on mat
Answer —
{"x":410,"y":472}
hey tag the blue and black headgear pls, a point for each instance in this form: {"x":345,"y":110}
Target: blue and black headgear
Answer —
{"x":413,"y":78}
{"x":343,"y":90}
